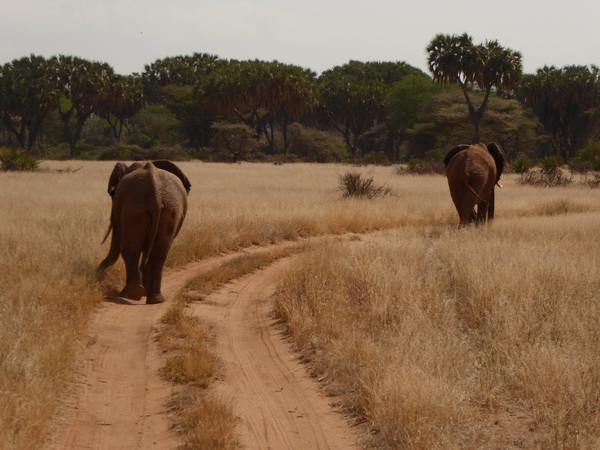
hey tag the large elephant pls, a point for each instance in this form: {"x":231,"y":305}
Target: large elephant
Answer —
{"x":149,"y":204}
{"x":473,"y":172}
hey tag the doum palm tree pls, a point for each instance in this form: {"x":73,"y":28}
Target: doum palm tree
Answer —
{"x":489,"y":66}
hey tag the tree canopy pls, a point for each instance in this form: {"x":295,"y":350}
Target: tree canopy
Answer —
{"x":567,"y":103}
{"x":360,"y":111}
{"x":489,"y":66}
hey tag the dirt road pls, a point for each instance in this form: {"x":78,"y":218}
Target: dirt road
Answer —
{"x":120,"y":401}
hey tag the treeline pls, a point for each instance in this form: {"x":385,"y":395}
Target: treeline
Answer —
{"x":202,"y":106}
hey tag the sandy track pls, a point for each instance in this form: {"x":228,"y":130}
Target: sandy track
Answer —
{"x":279,"y":405}
{"x":120,"y":402}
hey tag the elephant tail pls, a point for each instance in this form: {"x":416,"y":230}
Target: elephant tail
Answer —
{"x":110,"y":227}
{"x":476,"y":194}
{"x":155,"y":212}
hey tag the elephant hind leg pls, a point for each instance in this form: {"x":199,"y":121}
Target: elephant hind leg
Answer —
{"x":482,"y":213}
{"x":466,"y":212}
{"x":133,"y":286}
{"x":133,"y":291}
{"x":155,"y":298}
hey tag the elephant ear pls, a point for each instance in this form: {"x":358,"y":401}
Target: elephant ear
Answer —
{"x":170,"y":167}
{"x":498,"y":156}
{"x":453,"y":152}
{"x":118,"y":172}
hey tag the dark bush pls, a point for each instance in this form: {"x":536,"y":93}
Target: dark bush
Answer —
{"x":352,"y":184}
{"x":313,"y":145}
{"x":521,"y":163}
{"x":17,"y":159}
{"x":551,"y":178}
{"x":233,"y":141}
{"x":592,"y":181}
{"x":421,"y":167}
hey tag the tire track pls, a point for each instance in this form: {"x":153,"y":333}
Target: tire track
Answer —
{"x":120,"y":402}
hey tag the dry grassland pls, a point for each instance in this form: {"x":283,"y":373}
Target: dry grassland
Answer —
{"x":475,"y":338}
{"x":520,"y":336}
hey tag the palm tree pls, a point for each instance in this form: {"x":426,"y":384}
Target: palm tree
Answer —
{"x":26,"y":98}
{"x":124,"y":99}
{"x":455,"y":59}
{"x":567,"y":103}
{"x":82,"y":86}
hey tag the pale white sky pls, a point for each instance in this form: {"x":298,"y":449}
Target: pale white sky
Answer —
{"x":315,"y":34}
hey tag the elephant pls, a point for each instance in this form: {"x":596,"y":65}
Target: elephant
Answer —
{"x":473,"y":172}
{"x":149,"y":205}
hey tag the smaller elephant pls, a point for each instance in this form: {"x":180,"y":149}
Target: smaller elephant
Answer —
{"x":149,"y":204}
{"x":473,"y":172}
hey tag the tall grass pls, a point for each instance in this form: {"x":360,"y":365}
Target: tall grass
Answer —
{"x":475,"y":338}
{"x":52,"y":223}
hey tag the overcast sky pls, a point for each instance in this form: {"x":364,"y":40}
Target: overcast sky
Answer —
{"x":315,"y":34}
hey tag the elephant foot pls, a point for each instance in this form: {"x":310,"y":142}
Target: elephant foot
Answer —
{"x":155,"y":298}
{"x":133,"y":292}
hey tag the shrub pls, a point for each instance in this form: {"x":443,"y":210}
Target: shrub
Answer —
{"x":121,"y":153}
{"x":549,"y":174}
{"x":314,"y":145}
{"x":17,"y":159}
{"x":352,"y":184}
{"x":546,"y":178}
{"x":521,"y":163}
{"x":551,"y":164}
{"x":422,"y":167}
{"x":592,"y":181}
{"x":233,"y":141}
{"x":373,"y":158}
{"x":587,"y":158}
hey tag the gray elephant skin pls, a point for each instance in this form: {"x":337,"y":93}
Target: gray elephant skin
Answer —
{"x":149,"y":204}
{"x":473,"y":172}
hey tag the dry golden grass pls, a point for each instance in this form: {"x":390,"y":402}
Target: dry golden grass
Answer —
{"x":445,"y":338}
{"x":52,"y":223}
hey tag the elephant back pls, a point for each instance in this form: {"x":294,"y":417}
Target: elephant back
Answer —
{"x":452,"y":153}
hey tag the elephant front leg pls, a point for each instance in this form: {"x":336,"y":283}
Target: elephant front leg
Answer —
{"x":133,"y":289}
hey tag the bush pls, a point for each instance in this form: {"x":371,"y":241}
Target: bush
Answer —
{"x":233,"y":141}
{"x":121,"y":153}
{"x":422,"y":167}
{"x":521,"y":163}
{"x":136,"y":153}
{"x":552,"y":178}
{"x":373,"y":158}
{"x":592,"y":181}
{"x":587,"y":158}
{"x":352,"y":184}
{"x":313,"y":145}
{"x":579,"y":165}
{"x":17,"y":159}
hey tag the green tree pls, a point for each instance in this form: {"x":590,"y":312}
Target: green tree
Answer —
{"x":353,"y":96}
{"x":179,"y":71}
{"x":264,"y":95}
{"x":27,"y":94}
{"x":155,"y":124}
{"x":567,"y":103}
{"x":124,"y":98}
{"x":81,"y":87}
{"x":488,"y":67}
{"x":178,"y":83}
{"x":445,"y":123}
{"x":408,"y":101}
{"x":233,"y":141}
